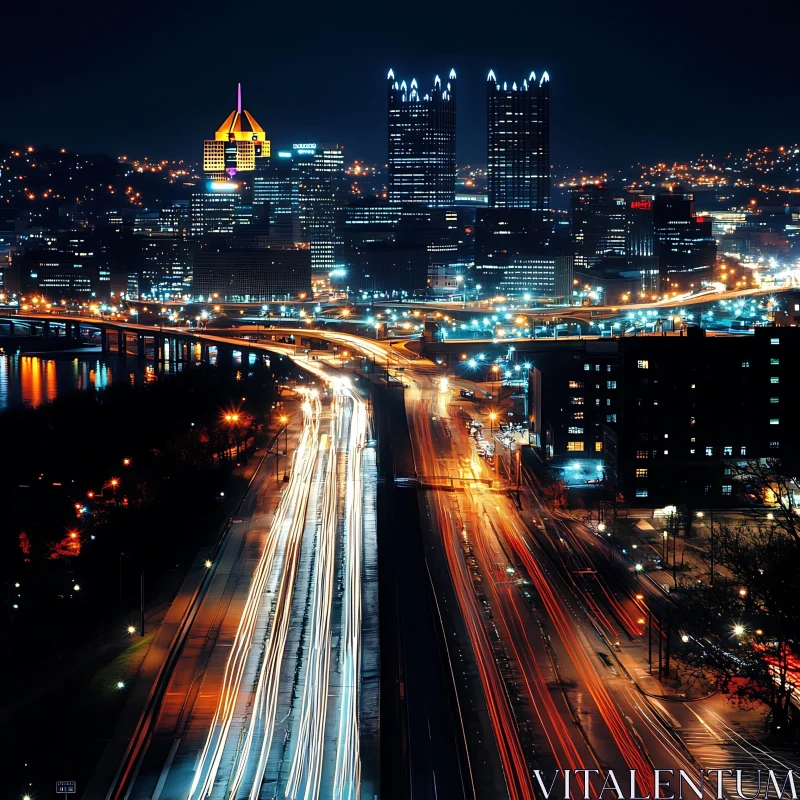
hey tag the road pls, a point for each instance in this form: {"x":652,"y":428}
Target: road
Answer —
{"x":265,"y":696}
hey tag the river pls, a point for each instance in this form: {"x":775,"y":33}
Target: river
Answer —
{"x":36,"y":379}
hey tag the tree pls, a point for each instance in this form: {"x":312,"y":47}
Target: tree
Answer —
{"x":745,"y":629}
{"x":770,"y":481}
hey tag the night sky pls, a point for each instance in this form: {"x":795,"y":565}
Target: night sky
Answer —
{"x":631,"y":81}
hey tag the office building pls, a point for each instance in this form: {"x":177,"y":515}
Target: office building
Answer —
{"x":529,"y":276}
{"x":599,"y":226}
{"x":684,"y":241}
{"x":516,"y":228}
{"x":668,"y":415}
{"x":251,"y":276}
{"x":518,"y":120}
{"x":276,"y":194}
{"x":422,"y":142}
{"x":320,"y":168}
{"x":215,"y":209}
{"x":237,"y":145}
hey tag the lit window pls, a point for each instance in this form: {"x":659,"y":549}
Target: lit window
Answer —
{"x":597,"y":401}
{"x":577,"y":415}
{"x":643,"y":364}
{"x":576,"y":401}
{"x":587,"y":367}
{"x":727,"y":450}
{"x":727,"y":488}
{"x":692,"y":386}
{"x":773,"y":399}
{"x":774,"y":445}
{"x":641,"y":454}
{"x":774,"y":341}
{"x":666,"y":452}
{"x":742,"y":451}
{"x":745,"y":364}
{"x":641,"y":472}
{"x":611,"y":417}
{"x":774,"y":379}
{"x":641,"y":492}
{"x":774,"y":362}
{"x":575,"y":446}
{"x":576,"y":385}
{"x":692,"y":450}
{"x":692,"y":439}
{"x":598,"y":447}
{"x":709,"y":451}
{"x":692,"y":420}
{"x":574,"y":429}
{"x":611,"y":384}
{"x":774,"y":421}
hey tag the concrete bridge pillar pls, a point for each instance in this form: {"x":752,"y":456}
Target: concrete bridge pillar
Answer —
{"x":141,"y":343}
{"x":122,"y":343}
{"x":224,"y":356}
{"x":159,"y":343}
{"x":46,"y":329}
{"x":204,"y":359}
{"x":103,"y":336}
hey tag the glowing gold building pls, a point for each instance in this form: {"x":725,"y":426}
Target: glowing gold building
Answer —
{"x":236,"y":145}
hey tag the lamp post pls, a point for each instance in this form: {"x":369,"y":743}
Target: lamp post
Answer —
{"x":495,"y":370}
{"x":284,"y":420}
{"x":711,"y":535}
{"x":492,"y":418}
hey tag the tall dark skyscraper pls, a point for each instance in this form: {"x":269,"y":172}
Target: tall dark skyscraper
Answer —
{"x":519,"y":143}
{"x":422,"y":142}
{"x":513,"y":236}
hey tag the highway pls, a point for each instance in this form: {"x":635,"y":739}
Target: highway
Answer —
{"x":264,"y":699}
{"x":542,"y":636}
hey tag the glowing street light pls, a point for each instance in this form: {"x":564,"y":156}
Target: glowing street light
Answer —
{"x":684,"y":638}
{"x":131,"y":630}
{"x":601,"y":527}
{"x":126,"y":462}
{"x":120,"y":685}
{"x":738,"y":630}
{"x":207,"y":564}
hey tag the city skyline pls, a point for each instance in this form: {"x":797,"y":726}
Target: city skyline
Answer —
{"x":296,"y":85}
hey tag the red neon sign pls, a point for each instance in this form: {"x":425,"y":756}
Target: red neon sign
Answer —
{"x":642,"y":204}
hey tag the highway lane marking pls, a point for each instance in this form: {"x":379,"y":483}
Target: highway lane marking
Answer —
{"x":716,"y":737}
{"x":162,"y":779}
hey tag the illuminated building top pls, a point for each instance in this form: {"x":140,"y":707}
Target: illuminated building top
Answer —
{"x":237,"y":143}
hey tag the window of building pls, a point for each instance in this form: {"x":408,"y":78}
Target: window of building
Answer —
{"x":774,"y":445}
{"x":666,"y":436}
{"x":641,"y":454}
{"x":576,"y":401}
{"x":692,"y":439}
{"x":773,"y":399}
{"x":774,"y":379}
{"x":576,"y":384}
{"x":641,"y":492}
{"x":574,"y":429}
{"x":774,"y":340}
{"x":727,"y":450}
{"x":577,"y":415}
{"x":774,"y":362}
{"x":641,"y":472}
{"x":693,"y":420}
{"x":597,"y":401}
{"x":611,"y":384}
{"x":587,"y":367}
{"x":727,"y":488}
{"x":597,"y":368}
{"x":742,"y":451}
{"x":691,"y":450}
{"x":643,"y":364}
{"x":655,"y":402}
{"x":608,"y":401}
{"x":774,"y":421}
{"x":709,"y":451}
{"x":608,"y":367}
{"x":611,"y":417}
{"x":745,"y":364}
{"x":693,"y":386}
{"x":575,"y":447}
{"x":598,"y":447}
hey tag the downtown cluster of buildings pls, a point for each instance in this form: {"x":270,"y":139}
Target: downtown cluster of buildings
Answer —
{"x":256,"y":223}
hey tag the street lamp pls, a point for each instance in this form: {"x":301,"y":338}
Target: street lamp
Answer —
{"x":131,"y":630}
{"x":738,"y":630}
{"x":284,"y":420}
{"x":601,"y":526}
{"x":492,"y":418}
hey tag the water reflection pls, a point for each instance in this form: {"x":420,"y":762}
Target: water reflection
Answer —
{"x":34,"y":380}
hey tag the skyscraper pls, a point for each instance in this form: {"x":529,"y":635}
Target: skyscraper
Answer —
{"x":516,"y":229}
{"x":519,"y":143}
{"x":422,"y":142}
{"x":236,"y":145}
{"x":321,"y":189}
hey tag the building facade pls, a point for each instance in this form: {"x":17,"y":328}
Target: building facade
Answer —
{"x":422,"y":142}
